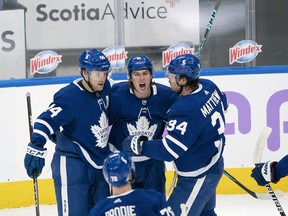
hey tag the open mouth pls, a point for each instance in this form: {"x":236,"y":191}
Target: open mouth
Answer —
{"x":142,"y":85}
{"x":100,"y":85}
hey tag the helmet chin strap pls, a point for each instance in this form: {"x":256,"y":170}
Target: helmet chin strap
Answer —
{"x":132,"y":177}
{"x":90,"y":85}
{"x":181,"y":87}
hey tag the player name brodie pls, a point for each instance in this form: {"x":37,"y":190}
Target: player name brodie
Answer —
{"x":121,"y":211}
{"x":212,"y":102}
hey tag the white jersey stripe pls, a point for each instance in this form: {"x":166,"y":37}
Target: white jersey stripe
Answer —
{"x":172,"y":139}
{"x":174,"y":154}
{"x":64,"y":185}
{"x":40,"y":121}
{"x":154,"y":89}
{"x":185,"y":207}
{"x":198,"y":172}
{"x":87,"y":157}
{"x":41,"y":133}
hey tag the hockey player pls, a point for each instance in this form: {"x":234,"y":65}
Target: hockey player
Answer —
{"x":195,"y":139}
{"x":139,"y":107}
{"x":270,"y":171}
{"x":78,"y":118}
{"x":119,"y":172}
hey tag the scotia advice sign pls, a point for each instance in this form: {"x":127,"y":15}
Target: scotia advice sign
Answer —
{"x":69,"y":24}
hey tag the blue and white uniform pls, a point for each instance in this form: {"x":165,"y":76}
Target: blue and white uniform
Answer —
{"x":270,"y":171}
{"x":194,"y":143}
{"x":281,"y":169}
{"x":79,"y":119}
{"x":132,"y":116}
{"x":134,"y":202}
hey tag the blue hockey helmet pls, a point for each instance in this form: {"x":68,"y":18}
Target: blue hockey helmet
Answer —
{"x":185,"y":65}
{"x":139,"y":63}
{"x":117,"y":167}
{"x":94,"y":60}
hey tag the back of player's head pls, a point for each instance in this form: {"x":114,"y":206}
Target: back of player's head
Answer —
{"x":185,"y":65}
{"x":94,"y":60}
{"x":139,"y":63}
{"x":117,"y":168}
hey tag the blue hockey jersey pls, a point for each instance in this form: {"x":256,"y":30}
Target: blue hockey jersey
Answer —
{"x":80,"y":120}
{"x":282,"y":167}
{"x":137,"y":202}
{"x":130,"y":115}
{"x":195,"y":139}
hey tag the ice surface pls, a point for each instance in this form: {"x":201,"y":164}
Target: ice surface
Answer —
{"x":227,"y":205}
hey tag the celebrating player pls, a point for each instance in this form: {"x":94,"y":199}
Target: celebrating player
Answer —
{"x":267,"y":172}
{"x":195,"y":139}
{"x":119,"y":172}
{"x":78,"y":118}
{"x":139,"y":107}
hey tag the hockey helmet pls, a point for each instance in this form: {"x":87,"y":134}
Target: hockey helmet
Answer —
{"x":94,"y":60}
{"x":117,"y":167}
{"x":139,"y":63}
{"x":185,"y":65}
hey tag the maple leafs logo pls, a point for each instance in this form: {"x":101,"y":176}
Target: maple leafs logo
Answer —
{"x":101,"y":132}
{"x":142,"y":128}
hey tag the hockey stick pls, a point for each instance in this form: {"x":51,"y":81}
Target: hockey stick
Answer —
{"x":208,"y":28}
{"x":35,"y":182}
{"x":200,"y":49}
{"x":264,"y":196}
{"x":260,"y":144}
{"x":173,"y":184}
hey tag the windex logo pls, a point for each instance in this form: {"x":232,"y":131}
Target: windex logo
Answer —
{"x":44,"y":62}
{"x":116,"y":56}
{"x":175,"y":50}
{"x":244,"y":51}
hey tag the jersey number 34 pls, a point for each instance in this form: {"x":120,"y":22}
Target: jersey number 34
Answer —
{"x":172,"y":124}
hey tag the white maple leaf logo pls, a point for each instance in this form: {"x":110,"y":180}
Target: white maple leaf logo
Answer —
{"x":142,"y":128}
{"x":101,"y":132}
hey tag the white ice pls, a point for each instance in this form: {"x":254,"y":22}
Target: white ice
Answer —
{"x":227,"y":205}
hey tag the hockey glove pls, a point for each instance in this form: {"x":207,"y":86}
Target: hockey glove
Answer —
{"x":264,"y":173}
{"x":132,"y":145}
{"x":34,"y":160}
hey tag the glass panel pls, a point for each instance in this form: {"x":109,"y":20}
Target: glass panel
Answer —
{"x":150,"y":27}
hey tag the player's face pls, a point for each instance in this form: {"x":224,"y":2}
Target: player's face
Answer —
{"x":172,"y":81}
{"x":97,"y":79}
{"x":141,"y":80}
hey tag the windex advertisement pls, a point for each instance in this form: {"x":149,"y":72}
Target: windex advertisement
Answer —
{"x":53,"y":24}
{"x":44,"y":62}
{"x":244,"y":51}
{"x":175,"y":50}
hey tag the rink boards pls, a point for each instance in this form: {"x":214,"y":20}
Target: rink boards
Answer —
{"x":257,"y":97}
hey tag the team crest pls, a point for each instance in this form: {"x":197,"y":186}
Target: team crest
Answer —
{"x":101,"y":132}
{"x":142,"y":128}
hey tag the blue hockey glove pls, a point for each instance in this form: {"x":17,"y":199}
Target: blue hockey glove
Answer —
{"x":34,"y":159}
{"x":132,"y":145}
{"x":264,"y":173}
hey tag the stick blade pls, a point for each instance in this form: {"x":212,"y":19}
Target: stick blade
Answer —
{"x":260,"y":144}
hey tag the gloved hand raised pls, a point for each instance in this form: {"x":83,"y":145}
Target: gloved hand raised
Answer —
{"x":132,"y":145}
{"x":34,"y":159}
{"x":264,"y":173}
